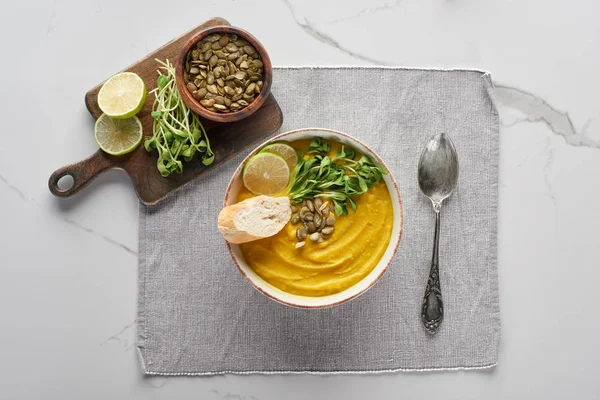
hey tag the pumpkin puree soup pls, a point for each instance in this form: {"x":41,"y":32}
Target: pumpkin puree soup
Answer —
{"x":345,"y":258}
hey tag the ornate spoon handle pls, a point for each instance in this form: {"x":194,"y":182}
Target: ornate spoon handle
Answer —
{"x":432,"y":311}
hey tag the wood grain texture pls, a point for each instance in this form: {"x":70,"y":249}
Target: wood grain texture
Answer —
{"x":227,"y":139}
{"x":232,"y":116}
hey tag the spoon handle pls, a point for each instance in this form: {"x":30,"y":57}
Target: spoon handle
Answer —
{"x":432,"y":311}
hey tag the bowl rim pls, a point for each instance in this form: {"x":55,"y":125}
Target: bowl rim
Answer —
{"x":392,"y":256}
{"x":195,"y":105}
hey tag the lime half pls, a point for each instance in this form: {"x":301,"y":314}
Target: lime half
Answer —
{"x":118,"y":136}
{"x":286,"y":151}
{"x":266,"y":173}
{"x":122,"y":96}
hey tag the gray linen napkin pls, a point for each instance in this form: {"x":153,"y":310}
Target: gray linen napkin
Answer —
{"x":198,"y":316}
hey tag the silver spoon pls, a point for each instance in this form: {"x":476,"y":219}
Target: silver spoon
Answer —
{"x":438,"y":175}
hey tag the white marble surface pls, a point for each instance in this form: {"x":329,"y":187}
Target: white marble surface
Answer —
{"x":68,"y":268}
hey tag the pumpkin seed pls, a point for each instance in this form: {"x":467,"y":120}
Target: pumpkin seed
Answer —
{"x":191,"y":87}
{"x":220,"y":82}
{"x":213,"y":61}
{"x":310,"y":227}
{"x":210,"y":79}
{"x":217,"y":72}
{"x":220,"y":100}
{"x":205,"y":47}
{"x":318,"y":219}
{"x":220,"y":107}
{"x":213,"y":38}
{"x":294,"y":208}
{"x":227,"y":101}
{"x":231,"y":47}
{"x":250,"y":89}
{"x":212,"y":89}
{"x":309,"y":217}
{"x":233,"y":56}
{"x":207,"y":55}
{"x":330,"y":220}
{"x":300,"y":244}
{"x":301,"y":233}
{"x":229,"y":91}
{"x":215,"y":46}
{"x":314,"y":236}
{"x":234,"y":106}
{"x":303,"y":211}
{"x":240,"y":42}
{"x":295,"y":218}
{"x":232,"y":68}
{"x":207,"y":103}
{"x":202,"y":92}
{"x":196,"y":95}
{"x":327,"y":230}
{"x":310,"y":205}
{"x":323,"y":224}
{"x":223,"y":41}
{"x":194,"y":70}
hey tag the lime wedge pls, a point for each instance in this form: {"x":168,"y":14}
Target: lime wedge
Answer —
{"x":118,"y":136}
{"x":266,"y":173}
{"x":286,"y":151}
{"x":122,"y":96}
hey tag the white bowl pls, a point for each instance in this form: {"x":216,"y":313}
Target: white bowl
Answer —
{"x":359,"y":288}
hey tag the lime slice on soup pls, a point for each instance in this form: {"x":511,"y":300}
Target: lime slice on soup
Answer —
{"x":122,"y":96}
{"x":287,"y":152}
{"x":266,"y":173}
{"x":118,"y":136}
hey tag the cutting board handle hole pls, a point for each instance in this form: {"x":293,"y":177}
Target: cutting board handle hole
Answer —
{"x":65,"y":183}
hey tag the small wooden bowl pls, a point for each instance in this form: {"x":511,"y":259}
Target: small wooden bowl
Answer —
{"x":195,"y":104}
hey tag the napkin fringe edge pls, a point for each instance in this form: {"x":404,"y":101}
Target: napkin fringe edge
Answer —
{"x":484,"y":72}
{"x":309,"y":372}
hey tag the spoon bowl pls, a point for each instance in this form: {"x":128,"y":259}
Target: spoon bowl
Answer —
{"x":438,"y":168}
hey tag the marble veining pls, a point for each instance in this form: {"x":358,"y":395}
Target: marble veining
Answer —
{"x":125,"y":337}
{"x":233,"y":396}
{"x":65,"y":218}
{"x":536,"y":109}
{"x":322,"y":37}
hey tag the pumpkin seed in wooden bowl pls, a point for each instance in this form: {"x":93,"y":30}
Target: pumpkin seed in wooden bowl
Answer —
{"x":224,"y":73}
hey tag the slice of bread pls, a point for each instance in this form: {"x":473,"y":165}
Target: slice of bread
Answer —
{"x":254,"y":218}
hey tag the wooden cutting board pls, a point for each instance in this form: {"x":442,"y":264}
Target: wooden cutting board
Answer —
{"x":226,"y":139}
